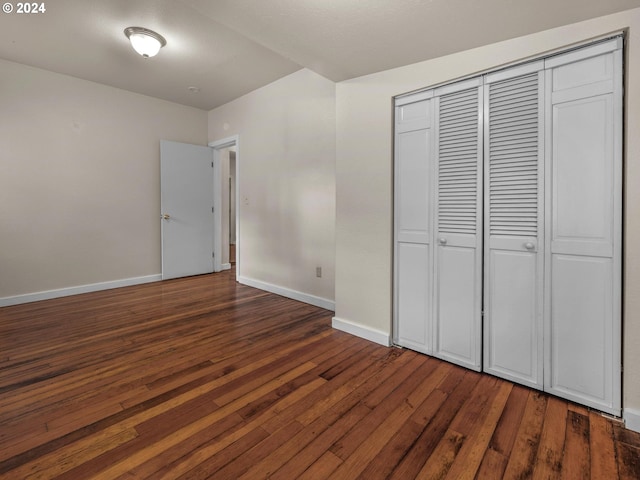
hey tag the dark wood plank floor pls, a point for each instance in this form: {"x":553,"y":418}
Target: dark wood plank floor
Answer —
{"x":204,"y":378}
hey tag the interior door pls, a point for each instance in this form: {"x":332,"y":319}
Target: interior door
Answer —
{"x":413,"y":223}
{"x":584,"y":203}
{"x":514,"y":221}
{"x":186,"y":179}
{"x":458,"y":250}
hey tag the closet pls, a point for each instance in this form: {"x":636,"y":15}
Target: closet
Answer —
{"x":507,"y":223}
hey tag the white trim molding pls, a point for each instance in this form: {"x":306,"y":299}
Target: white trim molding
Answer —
{"x":632,"y":419}
{"x":362,"y":331}
{"x":287,"y":292}
{"x":225,"y":142}
{"x":225,"y":266}
{"x":68,"y":291}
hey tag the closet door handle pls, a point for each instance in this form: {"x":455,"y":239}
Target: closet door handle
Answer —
{"x":529,"y":246}
{"x":442,"y":241}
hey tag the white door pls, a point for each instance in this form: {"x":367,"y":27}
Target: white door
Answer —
{"x":413,"y":223}
{"x":583,"y":214}
{"x":458,"y":251}
{"x":186,"y":179}
{"x":514,"y":195}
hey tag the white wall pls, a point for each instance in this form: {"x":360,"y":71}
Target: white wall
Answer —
{"x":286,"y":180}
{"x":80,"y":179}
{"x":364,"y":178}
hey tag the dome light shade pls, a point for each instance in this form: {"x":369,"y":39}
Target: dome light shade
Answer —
{"x":144,"y":41}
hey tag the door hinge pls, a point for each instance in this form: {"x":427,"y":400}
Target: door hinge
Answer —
{"x":213,"y":254}
{"x":211,"y":209}
{"x":211,"y":164}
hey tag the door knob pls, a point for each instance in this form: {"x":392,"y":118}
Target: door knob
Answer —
{"x":529,"y":246}
{"x":165,"y":216}
{"x":442,"y":241}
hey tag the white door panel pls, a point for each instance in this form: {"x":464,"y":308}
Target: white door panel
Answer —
{"x":581,"y":329}
{"x":414,"y":195}
{"x":457,"y":328}
{"x":582,"y":293}
{"x":413,"y":229}
{"x":186,"y":177}
{"x":583,"y":72}
{"x":512,"y":332}
{"x":514,"y":196}
{"x":414,"y":299}
{"x":458,"y":258}
{"x":413,"y":116}
{"x":582,"y":181}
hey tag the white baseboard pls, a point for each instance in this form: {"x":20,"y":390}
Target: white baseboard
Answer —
{"x":632,"y":419}
{"x":287,"y":292}
{"x":362,"y":331}
{"x":225,"y":266}
{"x":65,"y":292}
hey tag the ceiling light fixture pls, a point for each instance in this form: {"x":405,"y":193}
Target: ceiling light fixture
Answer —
{"x":144,"y":41}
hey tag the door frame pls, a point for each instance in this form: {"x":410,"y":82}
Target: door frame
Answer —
{"x":218,"y":146}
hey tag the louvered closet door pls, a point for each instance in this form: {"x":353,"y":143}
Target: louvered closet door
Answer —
{"x":514,"y":262}
{"x":413,"y":254}
{"x":458,"y":277}
{"x":583,"y":268}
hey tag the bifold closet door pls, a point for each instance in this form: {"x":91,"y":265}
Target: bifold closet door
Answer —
{"x":510,"y":186}
{"x":583,"y":214}
{"x":458,"y":249}
{"x":513,"y":189}
{"x":413,"y":223}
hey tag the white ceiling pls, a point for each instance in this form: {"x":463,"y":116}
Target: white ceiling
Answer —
{"x":227,"y":48}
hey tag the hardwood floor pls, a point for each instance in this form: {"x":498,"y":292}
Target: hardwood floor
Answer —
{"x":205,"y":378}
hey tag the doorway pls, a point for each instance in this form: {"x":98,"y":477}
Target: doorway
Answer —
{"x":226,"y":160}
{"x":233,"y":207}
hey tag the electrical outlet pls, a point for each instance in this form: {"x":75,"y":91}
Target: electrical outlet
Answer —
{"x":318,"y":272}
